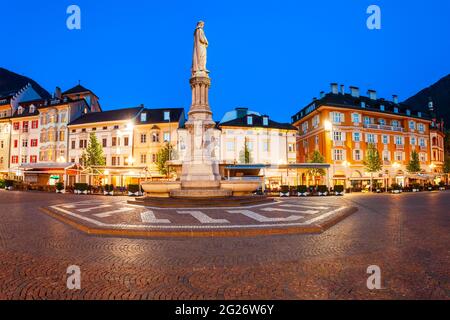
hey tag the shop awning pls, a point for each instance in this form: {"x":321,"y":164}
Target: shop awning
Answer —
{"x":246,"y":166}
{"x":279,"y":166}
{"x":49,"y":167}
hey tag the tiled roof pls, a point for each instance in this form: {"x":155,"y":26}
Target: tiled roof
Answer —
{"x":348,"y":101}
{"x":26,"y":112}
{"x":111,"y":115}
{"x":77,"y":89}
{"x":157,"y":115}
{"x":257,"y":123}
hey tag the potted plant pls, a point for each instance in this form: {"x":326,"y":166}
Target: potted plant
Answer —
{"x":378,"y":187}
{"x":441,"y":185}
{"x":108,"y":190}
{"x":134,"y":190}
{"x":430,"y":187}
{"x":9,"y":184}
{"x":339,"y":190}
{"x":396,"y":188}
{"x":302,"y":191}
{"x":322,"y":190}
{"x":59,"y":187}
{"x":81,"y":188}
{"x":284,"y":191}
{"x":415,"y":187}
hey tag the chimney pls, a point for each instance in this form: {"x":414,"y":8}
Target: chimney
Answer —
{"x":334,"y":88}
{"x":322,"y":94}
{"x":58,"y":92}
{"x":395,"y":98}
{"x":372,"y":94}
{"x":342,"y":89}
{"x":354,"y":91}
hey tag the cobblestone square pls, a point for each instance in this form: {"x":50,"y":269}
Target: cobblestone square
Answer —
{"x":406,"y":235}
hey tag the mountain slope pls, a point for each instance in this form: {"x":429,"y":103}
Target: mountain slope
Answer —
{"x":12,"y":82}
{"x":440,"y":93}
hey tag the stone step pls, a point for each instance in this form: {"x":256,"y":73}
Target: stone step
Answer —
{"x":200,"y":193}
{"x":200,"y":202}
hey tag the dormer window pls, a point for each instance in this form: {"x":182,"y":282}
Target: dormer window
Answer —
{"x":395,"y":110}
{"x":408,"y":112}
{"x":363,"y":104}
{"x":249,"y":120}
{"x":265,"y":121}
{"x":419,"y":114}
{"x":166,"y":115}
{"x":382,"y":107}
{"x":20,"y":110}
{"x":32,"y":108}
{"x":143,"y":117}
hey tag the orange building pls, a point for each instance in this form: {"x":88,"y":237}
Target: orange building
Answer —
{"x":341,"y":125}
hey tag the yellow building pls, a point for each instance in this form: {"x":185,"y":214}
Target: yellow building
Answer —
{"x":154,"y":128}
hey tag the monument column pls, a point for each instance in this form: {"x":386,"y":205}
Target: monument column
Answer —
{"x":198,"y":164}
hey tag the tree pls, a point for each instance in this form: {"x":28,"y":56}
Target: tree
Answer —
{"x":414,"y":163}
{"x":316,"y":157}
{"x":93,"y":155}
{"x":164,"y":155}
{"x":245,"y":155}
{"x":372,"y":162}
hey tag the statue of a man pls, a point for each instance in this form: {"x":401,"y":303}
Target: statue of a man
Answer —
{"x":200,"y":45}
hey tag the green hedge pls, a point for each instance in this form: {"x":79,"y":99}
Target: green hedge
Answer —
{"x":322,"y":188}
{"x":81,"y":186}
{"x":302,"y":189}
{"x":9,"y":183}
{"x":133,"y":188}
{"x":59,"y":186}
{"x":339,"y":188}
{"x":396,"y":186}
{"x":2,"y":184}
{"x":108,"y":187}
{"x":284,"y":189}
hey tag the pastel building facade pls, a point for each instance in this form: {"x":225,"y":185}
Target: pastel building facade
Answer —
{"x":10,"y":97}
{"x":341,"y":126}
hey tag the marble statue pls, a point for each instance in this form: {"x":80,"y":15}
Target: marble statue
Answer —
{"x":200,"y":45}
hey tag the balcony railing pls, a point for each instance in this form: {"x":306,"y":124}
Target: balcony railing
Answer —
{"x":384,"y":127}
{"x":399,"y":147}
{"x":338,"y":143}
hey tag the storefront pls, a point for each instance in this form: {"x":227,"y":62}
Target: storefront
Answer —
{"x":48,"y":174}
{"x":275,"y":176}
{"x":117,"y":176}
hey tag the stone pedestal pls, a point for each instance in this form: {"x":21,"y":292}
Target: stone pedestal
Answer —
{"x":199,"y":164}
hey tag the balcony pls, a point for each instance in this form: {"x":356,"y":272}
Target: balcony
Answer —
{"x":399,"y":147}
{"x":338,"y":143}
{"x":383,"y":127}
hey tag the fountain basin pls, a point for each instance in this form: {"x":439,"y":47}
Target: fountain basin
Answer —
{"x":160,"y":188}
{"x":240,"y":187}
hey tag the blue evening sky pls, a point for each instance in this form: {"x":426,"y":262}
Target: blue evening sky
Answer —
{"x":270,"y":56}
